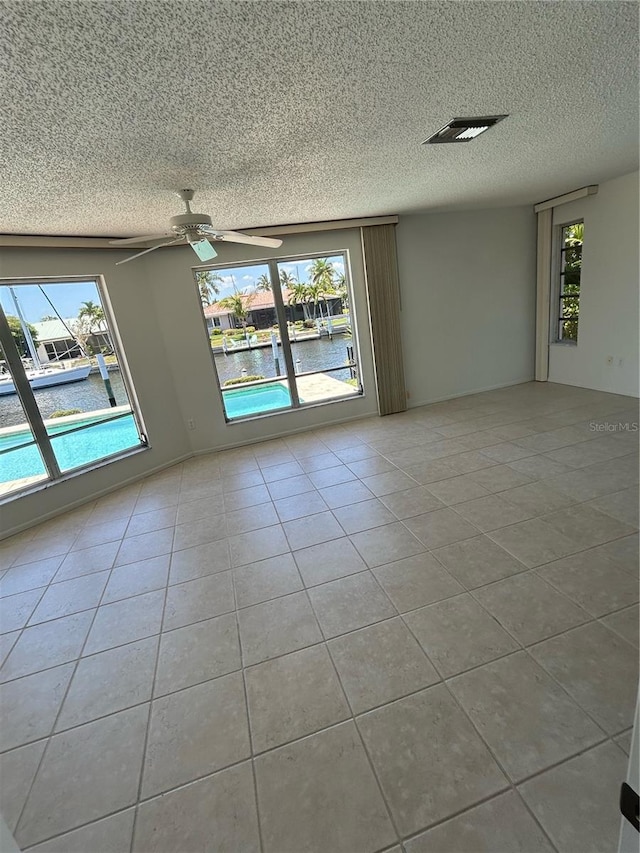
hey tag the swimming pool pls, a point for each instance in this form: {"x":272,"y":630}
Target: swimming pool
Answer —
{"x":241,"y":402}
{"x":100,"y":439}
{"x":72,"y":449}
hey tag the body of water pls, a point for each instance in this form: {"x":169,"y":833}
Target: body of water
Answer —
{"x":89,"y":395}
{"x":316,"y":354}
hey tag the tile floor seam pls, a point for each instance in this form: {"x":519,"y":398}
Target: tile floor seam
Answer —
{"x":346,"y":633}
{"x":535,"y":818}
{"x":601,"y":619}
{"x":567,"y":596}
{"x":80,"y":826}
{"x":510,"y":632}
{"x":574,"y":700}
{"x":248,"y":715}
{"x":26,"y":624}
{"x":514,"y":784}
{"x":445,"y":678}
{"x":488,"y":799}
{"x":145,"y":742}
{"x":51,"y":735}
{"x":354,"y":721}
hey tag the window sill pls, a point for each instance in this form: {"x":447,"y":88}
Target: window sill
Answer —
{"x":564,"y":343}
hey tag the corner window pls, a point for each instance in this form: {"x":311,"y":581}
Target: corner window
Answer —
{"x":281,"y":333}
{"x":65,"y":403}
{"x":568,"y":282}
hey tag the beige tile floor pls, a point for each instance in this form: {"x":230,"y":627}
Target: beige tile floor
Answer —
{"x":412,"y":633}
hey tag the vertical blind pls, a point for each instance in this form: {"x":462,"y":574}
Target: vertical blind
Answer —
{"x":383,"y":289}
{"x":543,"y":293}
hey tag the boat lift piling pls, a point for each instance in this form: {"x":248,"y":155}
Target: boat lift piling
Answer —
{"x":274,"y":347}
{"x":105,"y":378}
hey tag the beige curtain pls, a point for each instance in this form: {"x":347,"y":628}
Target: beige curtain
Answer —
{"x":543,"y":293}
{"x":383,"y":289}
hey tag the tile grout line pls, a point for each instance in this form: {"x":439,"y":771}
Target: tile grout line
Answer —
{"x":252,"y":755}
{"x":362,"y":743}
{"x":512,"y":785}
{"x":75,"y":664}
{"x":145,"y":742}
{"x":465,"y":590}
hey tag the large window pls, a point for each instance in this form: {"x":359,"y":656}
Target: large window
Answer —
{"x":569,"y":273}
{"x":64,"y":403}
{"x":282,"y":333}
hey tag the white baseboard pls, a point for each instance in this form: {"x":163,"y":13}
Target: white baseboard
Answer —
{"x":415,"y":404}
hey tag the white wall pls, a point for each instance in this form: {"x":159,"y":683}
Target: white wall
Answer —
{"x":608,"y":324}
{"x":467,"y":283}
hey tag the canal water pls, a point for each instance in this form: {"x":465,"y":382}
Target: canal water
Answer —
{"x":89,"y":395}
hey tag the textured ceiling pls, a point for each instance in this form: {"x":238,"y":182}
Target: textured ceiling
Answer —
{"x":302,"y":111}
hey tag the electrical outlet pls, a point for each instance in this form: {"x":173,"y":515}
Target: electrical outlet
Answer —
{"x":191,"y":423}
{"x":610,"y":360}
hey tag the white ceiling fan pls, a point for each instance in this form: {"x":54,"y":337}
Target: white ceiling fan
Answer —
{"x":197,"y":230}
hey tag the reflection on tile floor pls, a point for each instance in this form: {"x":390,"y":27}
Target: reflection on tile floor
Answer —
{"x":412,"y":633}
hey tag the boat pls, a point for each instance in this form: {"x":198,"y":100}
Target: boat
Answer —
{"x":45,"y":377}
{"x":39,"y":375}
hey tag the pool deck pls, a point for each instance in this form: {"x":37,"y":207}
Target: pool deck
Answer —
{"x":313,"y":389}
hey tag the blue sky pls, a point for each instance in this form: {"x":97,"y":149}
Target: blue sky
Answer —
{"x":67,"y":299}
{"x":245,"y":278}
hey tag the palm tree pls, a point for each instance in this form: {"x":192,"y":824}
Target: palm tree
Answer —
{"x":208,"y":286}
{"x":287,"y":279}
{"x":238,"y":304}
{"x":323,"y":275}
{"x":300,"y":295}
{"x":93,"y":314}
{"x":341,"y":290}
{"x":263,"y":283}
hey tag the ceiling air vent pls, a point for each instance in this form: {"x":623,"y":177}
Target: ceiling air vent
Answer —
{"x":463,"y":129}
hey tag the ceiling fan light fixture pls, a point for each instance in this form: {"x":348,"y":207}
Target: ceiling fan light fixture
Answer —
{"x":197,"y":231}
{"x":463,"y":129}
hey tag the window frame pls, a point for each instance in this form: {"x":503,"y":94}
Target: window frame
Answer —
{"x":558,"y":266}
{"x":272,"y":264}
{"x":34,"y":420}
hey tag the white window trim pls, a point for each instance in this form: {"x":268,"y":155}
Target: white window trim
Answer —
{"x":544,"y":273}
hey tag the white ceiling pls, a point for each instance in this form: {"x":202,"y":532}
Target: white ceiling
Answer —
{"x":303,"y":111}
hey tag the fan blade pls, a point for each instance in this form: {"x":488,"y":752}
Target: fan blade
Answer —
{"x":129,"y":241}
{"x":237,"y":237}
{"x":204,"y":250}
{"x":146,"y":251}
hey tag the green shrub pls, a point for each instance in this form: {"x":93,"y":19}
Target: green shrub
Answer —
{"x":250,"y":330}
{"x":215,"y":332}
{"x":62,"y":413}
{"x":241,"y":379}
